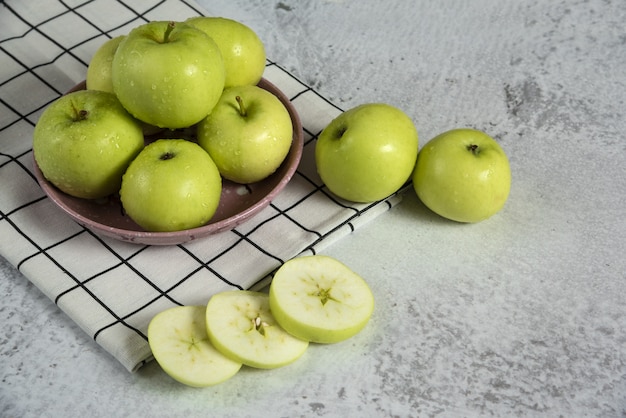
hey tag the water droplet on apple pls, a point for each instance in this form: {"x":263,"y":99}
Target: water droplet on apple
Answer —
{"x":154,"y":87}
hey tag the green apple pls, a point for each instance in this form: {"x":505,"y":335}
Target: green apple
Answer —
{"x":367,"y":153}
{"x":168,"y":74}
{"x":241,"y":326}
{"x":248,"y":134}
{"x":84,"y":141}
{"x":99,"y":74}
{"x":242,"y":49}
{"x":319,"y":299}
{"x":463,"y":175}
{"x":171,"y":185}
{"x":179,"y":343}
{"x":99,"y":69}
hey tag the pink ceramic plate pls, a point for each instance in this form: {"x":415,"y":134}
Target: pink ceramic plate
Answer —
{"x":238,"y":202}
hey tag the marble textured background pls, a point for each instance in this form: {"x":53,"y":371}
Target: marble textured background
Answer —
{"x":522,"y":315}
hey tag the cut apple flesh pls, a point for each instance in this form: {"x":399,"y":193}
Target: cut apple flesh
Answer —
{"x":319,"y":299}
{"x":241,"y":326}
{"x":179,"y":343}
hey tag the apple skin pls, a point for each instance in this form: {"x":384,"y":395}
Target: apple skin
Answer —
{"x":463,"y":175}
{"x":171,"y":185}
{"x":242,"y":50}
{"x":170,"y":81}
{"x":247,"y":148}
{"x":367,"y":153}
{"x":99,"y":69}
{"x":84,"y":141}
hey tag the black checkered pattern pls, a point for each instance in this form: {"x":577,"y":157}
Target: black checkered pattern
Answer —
{"x":111,"y":288}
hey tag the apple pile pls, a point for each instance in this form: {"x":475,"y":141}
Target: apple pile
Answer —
{"x":369,"y":152}
{"x":311,"y":299}
{"x":200,"y":75}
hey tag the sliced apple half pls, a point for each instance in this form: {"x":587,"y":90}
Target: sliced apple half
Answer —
{"x":241,"y":326}
{"x":319,"y":299}
{"x":179,"y":343}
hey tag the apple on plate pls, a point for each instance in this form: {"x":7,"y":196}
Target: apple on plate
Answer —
{"x":99,"y":68}
{"x":99,"y":74}
{"x":171,"y":185}
{"x":84,"y":141}
{"x":248,"y":134}
{"x":367,"y":153}
{"x":463,"y":175}
{"x":242,"y":49}
{"x":168,"y":74}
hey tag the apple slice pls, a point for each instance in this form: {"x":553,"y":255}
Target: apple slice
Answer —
{"x":179,"y":343}
{"x":241,"y":326}
{"x":319,"y":299}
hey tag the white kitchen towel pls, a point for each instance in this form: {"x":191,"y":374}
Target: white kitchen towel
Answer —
{"x":112,"y":289}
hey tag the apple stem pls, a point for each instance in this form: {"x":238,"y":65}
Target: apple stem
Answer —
{"x":242,"y":108}
{"x":340,"y":132}
{"x":170,"y":28}
{"x":79,"y":114}
{"x":473,"y":148}
{"x":82,"y":114}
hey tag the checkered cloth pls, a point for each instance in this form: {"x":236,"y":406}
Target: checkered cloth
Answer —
{"x":112,"y":289}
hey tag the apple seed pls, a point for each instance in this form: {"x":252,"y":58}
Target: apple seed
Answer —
{"x":259,"y":325}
